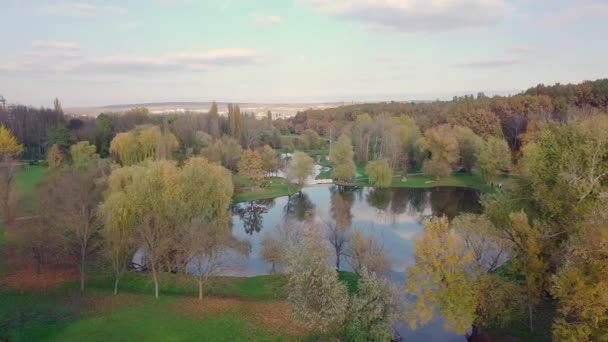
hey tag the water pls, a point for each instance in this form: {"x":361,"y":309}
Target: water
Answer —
{"x":393,"y":216}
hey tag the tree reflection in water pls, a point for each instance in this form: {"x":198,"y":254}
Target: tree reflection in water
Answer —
{"x":252,"y":214}
{"x":299,"y":207}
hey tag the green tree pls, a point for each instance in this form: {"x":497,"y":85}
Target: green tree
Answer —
{"x":341,"y":158}
{"x":213,"y":124}
{"x":103,"y":134}
{"x":83,"y":153}
{"x":494,"y":156}
{"x":317,"y":299}
{"x":469,"y":145}
{"x":379,"y":173}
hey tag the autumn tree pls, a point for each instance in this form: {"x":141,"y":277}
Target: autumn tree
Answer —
{"x":373,"y":310}
{"x":367,"y":255}
{"x":379,"y":173}
{"x":206,"y":190}
{"x":469,"y":144}
{"x":341,"y":158}
{"x":83,"y":153}
{"x":489,"y":248}
{"x":439,"y":280}
{"x":310,"y":139}
{"x":270,"y":160}
{"x":494,"y":156}
{"x":316,"y":297}
{"x":300,"y":168}
{"x":54,"y":156}
{"x":251,"y":167}
{"x":73,"y":196}
{"x":225,"y":151}
{"x":9,"y":150}
{"x":442,"y":147}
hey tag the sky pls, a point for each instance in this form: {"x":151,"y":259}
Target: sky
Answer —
{"x":93,"y":52}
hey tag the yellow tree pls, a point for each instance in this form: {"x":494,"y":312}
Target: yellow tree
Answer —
{"x":54,"y":157}
{"x":441,"y":279}
{"x":9,"y":150}
{"x":341,"y":158}
{"x":250,"y":167}
{"x":83,"y":153}
{"x":380,"y":173}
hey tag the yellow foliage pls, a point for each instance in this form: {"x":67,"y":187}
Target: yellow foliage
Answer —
{"x":9,"y":147}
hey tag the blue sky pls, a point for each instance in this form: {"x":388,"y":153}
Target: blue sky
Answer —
{"x":89,"y":52}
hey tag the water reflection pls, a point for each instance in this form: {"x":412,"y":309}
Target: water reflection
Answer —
{"x":392,"y":216}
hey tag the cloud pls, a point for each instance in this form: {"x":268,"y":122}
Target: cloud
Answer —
{"x":54,"y":56}
{"x":416,"y":15}
{"x":575,"y":14}
{"x":489,"y":63}
{"x":261,"y":19}
{"x":81,"y":9}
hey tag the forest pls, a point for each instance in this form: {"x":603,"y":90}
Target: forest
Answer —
{"x":135,"y":205}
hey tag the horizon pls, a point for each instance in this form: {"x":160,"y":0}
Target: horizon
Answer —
{"x":94,"y":53}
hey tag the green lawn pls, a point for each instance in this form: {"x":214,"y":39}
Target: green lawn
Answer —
{"x":28,"y":177}
{"x":273,"y":187}
{"x":457,"y":179}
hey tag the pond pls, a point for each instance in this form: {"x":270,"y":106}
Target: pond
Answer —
{"x":393,"y":216}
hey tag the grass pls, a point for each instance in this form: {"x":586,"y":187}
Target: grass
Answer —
{"x":457,"y":179}
{"x":28,"y":177}
{"x":273,"y":187}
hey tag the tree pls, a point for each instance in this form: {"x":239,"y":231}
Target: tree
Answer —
{"x":442,"y":145}
{"x":213,"y":126}
{"x":482,"y":238}
{"x":316,"y":297}
{"x":494,"y":156}
{"x":300,"y":167}
{"x":379,"y":173}
{"x":341,"y":159}
{"x":273,"y":251}
{"x":83,"y":153}
{"x":366,"y":255}
{"x":270,"y":161}
{"x":103,"y":134}
{"x":57,"y":106}
{"x":119,"y":219}
{"x":469,"y":144}
{"x":373,"y":310}
{"x":9,"y":150}
{"x":144,"y":142}
{"x":251,"y":167}
{"x":206,"y":237}
{"x":528,"y":261}
{"x":310,"y":139}
{"x":73,"y":196}
{"x":440,"y":279}
{"x":581,"y":287}
{"x":54,"y":156}
{"x":225,"y":151}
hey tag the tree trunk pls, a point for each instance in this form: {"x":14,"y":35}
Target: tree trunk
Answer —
{"x":82,"y":270}
{"x":338,"y":260}
{"x":154,"y":275}
{"x":116,"y":284}
{"x":200,"y":289}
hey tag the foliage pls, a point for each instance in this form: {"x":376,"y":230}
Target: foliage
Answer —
{"x":440,"y":279}
{"x":251,"y":166}
{"x":373,"y":310}
{"x":9,"y":147}
{"x":54,"y":156}
{"x":366,"y":255}
{"x":341,"y":158}
{"x":379,"y":173}
{"x":469,"y":144}
{"x":103,"y":134}
{"x":225,"y":151}
{"x":142,"y":143}
{"x":494,"y":156}
{"x":83,"y":153}
{"x":309,"y":276}
{"x":270,"y":160}
{"x":440,"y":142}
{"x":300,"y":168}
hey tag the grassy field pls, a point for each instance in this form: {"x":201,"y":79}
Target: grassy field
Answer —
{"x":273,"y":187}
{"x":457,"y":179}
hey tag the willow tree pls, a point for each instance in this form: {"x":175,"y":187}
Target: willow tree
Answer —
{"x":147,"y":142}
{"x":300,"y":168}
{"x":379,"y":173}
{"x":341,"y":158}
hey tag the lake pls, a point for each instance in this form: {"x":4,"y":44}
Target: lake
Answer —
{"x":393,"y":216}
